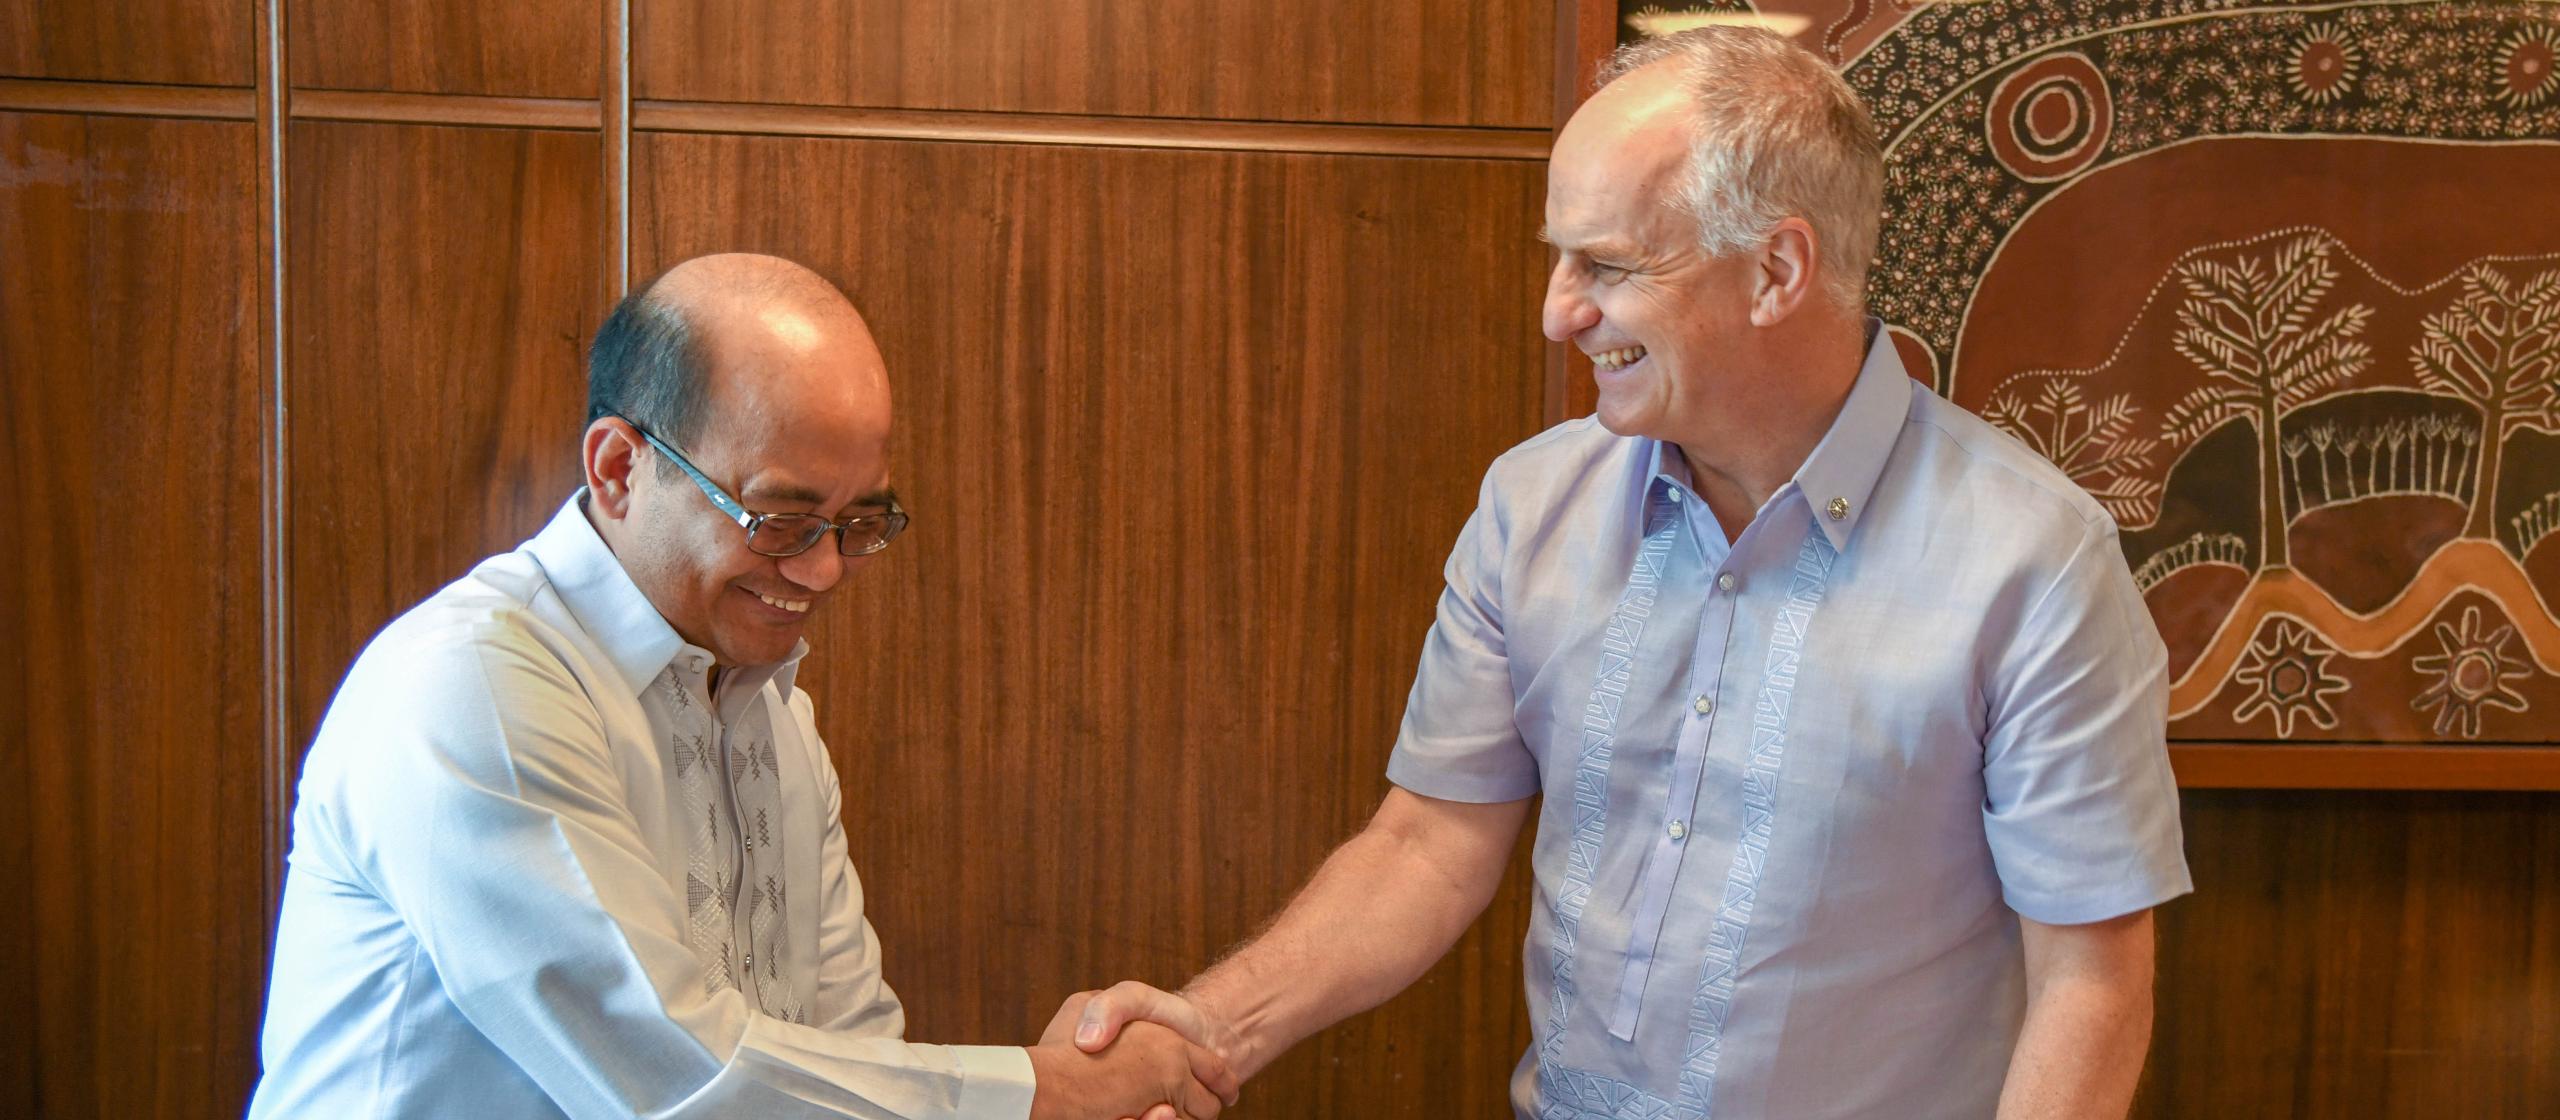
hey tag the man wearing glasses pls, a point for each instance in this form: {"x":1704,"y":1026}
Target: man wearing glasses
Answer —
{"x":568,"y":844}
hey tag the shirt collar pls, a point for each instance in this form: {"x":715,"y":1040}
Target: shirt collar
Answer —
{"x":615,"y":613}
{"x":1837,"y":480}
{"x":1841,"y":472}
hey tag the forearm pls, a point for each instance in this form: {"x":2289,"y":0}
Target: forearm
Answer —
{"x":1381,"y":910}
{"x":2082,"y":1046}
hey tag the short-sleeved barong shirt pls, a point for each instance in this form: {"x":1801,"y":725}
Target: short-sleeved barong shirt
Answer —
{"x":1798,"y":788}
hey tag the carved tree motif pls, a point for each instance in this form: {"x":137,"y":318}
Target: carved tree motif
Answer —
{"x":2093,"y":445}
{"x":2247,"y":324}
{"x":2497,"y":346}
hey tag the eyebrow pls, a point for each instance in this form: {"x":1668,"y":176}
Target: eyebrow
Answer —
{"x":781,"y":491}
{"x":790,"y":492}
{"x":1609,"y":247}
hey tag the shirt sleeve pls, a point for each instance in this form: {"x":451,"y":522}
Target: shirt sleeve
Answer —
{"x":2080,"y":806}
{"x":478,"y":799}
{"x":1460,"y":740}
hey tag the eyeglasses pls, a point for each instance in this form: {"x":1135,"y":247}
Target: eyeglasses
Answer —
{"x":790,"y":534}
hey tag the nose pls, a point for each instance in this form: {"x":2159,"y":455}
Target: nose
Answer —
{"x":817,"y":569}
{"x":1568,"y":311}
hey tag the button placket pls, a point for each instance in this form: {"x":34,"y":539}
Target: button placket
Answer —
{"x":1660,"y":869}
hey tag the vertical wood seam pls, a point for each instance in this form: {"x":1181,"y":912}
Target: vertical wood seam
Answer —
{"x":275,"y":538}
{"x":616,"y":96}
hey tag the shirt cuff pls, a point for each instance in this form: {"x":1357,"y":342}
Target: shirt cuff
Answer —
{"x":995,"y":1082}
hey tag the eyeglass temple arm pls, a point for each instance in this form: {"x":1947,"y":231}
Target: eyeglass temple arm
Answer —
{"x":710,"y":489}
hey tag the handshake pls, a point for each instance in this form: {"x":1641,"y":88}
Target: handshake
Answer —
{"x":1133,"y":1052}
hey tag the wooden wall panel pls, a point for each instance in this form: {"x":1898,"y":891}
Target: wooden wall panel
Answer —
{"x":2362,"y":956}
{"x":1440,"y":62}
{"x":442,"y":284}
{"x":503,"y":48}
{"x":184,"y":42}
{"x":1187,"y":436}
{"x":131,"y":814}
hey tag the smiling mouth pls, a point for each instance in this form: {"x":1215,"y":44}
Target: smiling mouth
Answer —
{"x":795,"y":606}
{"x":1611,"y":361}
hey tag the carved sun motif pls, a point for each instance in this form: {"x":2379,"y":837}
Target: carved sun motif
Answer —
{"x":2524,"y":77}
{"x":2291,"y":679}
{"x":2471,"y":673}
{"x":2325,"y":63}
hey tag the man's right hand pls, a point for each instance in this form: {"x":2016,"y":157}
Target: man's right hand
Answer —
{"x":1150,"y":1067}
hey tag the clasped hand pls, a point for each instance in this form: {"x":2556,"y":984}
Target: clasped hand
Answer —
{"x":1130,"y":1053}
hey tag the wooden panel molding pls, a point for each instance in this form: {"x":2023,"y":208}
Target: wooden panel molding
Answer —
{"x":492,"y":48}
{"x":1434,"y":62}
{"x":443,"y":285}
{"x":428,"y":108}
{"x":1187,"y":436}
{"x":2370,"y":766}
{"x":1116,"y":132}
{"x":125,"y":99}
{"x":132,"y":815}
{"x":181,"y":42}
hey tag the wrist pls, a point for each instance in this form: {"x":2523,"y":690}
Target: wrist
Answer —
{"x":1233,"y":1035}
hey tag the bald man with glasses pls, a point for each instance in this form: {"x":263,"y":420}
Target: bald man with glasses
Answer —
{"x":568,"y":843}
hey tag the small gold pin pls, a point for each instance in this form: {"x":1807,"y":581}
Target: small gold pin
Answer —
{"x":1839,"y":509}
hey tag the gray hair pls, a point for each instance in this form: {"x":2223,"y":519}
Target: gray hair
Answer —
{"x":648,"y":367}
{"x":1774,"y":133}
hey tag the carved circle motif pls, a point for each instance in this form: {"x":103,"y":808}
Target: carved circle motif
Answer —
{"x":2525,"y":75}
{"x":2049,"y":118}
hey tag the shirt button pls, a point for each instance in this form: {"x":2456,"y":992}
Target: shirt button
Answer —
{"x":1704,"y":705}
{"x":1725,"y":582}
{"x":1679,"y":830}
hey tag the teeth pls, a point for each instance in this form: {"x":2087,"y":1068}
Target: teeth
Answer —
{"x":1619,"y":358}
{"x":793,"y":605}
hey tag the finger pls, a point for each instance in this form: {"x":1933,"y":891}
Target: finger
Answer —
{"x":1213,"y":1071}
{"x":1126,"y":1002}
{"x":1198,"y":1101}
{"x":1162,"y":1112}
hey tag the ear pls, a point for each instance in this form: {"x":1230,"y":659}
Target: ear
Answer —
{"x":611,"y":451}
{"x":1787,"y":275}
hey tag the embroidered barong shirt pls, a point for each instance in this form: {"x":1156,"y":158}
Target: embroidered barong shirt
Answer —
{"x":542,"y":867}
{"x":1797,"y":788}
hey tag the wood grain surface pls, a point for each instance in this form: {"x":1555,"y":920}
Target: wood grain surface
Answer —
{"x":2362,"y":956}
{"x":185,"y":42}
{"x":492,"y":48}
{"x":1431,"y":62}
{"x":131,"y":807}
{"x":442,"y":286}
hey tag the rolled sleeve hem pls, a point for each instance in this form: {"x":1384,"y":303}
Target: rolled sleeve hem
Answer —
{"x":1474,"y":789}
{"x":2055,"y":909}
{"x":996,"y":1082}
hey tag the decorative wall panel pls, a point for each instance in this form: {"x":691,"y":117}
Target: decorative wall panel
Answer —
{"x":2241,"y":272}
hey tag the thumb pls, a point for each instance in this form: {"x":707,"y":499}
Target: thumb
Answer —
{"x":1101,"y":1022}
{"x":1127,"y":1002}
